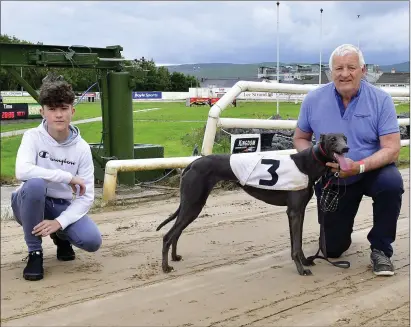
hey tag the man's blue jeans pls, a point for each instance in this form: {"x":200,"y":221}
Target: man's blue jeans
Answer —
{"x":31,"y":205}
{"x":385,"y":186}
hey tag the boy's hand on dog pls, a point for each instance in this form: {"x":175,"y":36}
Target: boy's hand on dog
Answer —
{"x":353,"y":168}
{"x":46,"y":227}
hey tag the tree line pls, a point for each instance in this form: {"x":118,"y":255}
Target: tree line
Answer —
{"x":147,"y":76}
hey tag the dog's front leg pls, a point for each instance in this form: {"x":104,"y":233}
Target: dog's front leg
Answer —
{"x":291,"y":235}
{"x":304,"y":260}
{"x":296,"y":217}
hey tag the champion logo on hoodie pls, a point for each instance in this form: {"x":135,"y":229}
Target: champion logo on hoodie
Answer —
{"x":45,"y":154}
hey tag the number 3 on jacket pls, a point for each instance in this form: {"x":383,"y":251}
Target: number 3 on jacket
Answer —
{"x":268,"y":170}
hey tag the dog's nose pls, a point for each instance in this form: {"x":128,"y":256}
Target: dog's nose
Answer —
{"x":345,"y":149}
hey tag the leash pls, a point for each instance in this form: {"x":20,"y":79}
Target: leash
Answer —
{"x":332,"y":206}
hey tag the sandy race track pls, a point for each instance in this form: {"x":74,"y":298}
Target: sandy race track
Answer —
{"x":236,"y":271}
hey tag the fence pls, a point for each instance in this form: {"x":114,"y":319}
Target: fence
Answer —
{"x":113,"y":167}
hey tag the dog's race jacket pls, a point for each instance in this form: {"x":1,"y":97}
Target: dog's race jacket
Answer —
{"x":268,"y":170}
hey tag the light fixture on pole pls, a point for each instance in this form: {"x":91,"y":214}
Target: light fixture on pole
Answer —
{"x":358,"y":16}
{"x":321,"y":36}
{"x":278,"y":54}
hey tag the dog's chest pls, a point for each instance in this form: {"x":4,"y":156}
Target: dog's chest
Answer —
{"x":268,"y":170}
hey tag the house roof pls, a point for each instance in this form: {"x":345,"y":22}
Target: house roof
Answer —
{"x":394,"y":78}
{"x":313,"y":80}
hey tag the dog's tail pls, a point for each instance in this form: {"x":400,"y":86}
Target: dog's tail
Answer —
{"x":172,"y":217}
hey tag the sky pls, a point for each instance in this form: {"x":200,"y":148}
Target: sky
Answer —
{"x":217,"y":31}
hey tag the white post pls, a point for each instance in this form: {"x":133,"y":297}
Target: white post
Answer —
{"x":278,"y":55}
{"x":358,"y":16}
{"x":321,"y":46}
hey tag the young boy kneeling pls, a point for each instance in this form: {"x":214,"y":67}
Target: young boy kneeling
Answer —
{"x":52,"y":162}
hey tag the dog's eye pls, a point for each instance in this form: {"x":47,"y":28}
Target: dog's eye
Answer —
{"x":334,"y":139}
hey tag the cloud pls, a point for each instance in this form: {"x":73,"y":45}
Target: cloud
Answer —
{"x":215,"y":31}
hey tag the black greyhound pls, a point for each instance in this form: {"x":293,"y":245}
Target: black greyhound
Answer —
{"x":200,"y":176}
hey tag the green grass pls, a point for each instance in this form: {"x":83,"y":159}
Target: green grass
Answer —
{"x":178,"y":111}
{"x":167,"y":134}
{"x":403,"y":107}
{"x":15,"y":126}
{"x":23,"y":99}
{"x":174,"y":111}
{"x":8,"y":148}
{"x":178,"y":138}
{"x":404,"y":159}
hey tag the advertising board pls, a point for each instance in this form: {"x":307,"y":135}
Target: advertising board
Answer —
{"x":241,"y":143}
{"x":147,"y":95}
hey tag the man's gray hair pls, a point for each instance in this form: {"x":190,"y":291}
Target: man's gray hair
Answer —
{"x":345,"y":49}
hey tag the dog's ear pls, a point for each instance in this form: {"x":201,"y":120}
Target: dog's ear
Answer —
{"x":322,"y":138}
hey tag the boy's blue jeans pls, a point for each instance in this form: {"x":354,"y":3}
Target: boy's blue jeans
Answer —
{"x":31,"y":205}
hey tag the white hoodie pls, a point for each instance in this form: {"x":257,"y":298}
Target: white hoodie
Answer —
{"x":41,"y":156}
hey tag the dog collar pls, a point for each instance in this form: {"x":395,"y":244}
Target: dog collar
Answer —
{"x":319,"y":154}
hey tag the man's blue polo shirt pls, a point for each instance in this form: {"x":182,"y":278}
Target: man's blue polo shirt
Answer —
{"x":369,"y":115}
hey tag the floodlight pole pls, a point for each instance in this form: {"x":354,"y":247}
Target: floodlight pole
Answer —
{"x":278,"y":54}
{"x":321,"y":36}
{"x":358,"y":16}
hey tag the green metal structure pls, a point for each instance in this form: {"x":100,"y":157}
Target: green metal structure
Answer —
{"x":116,"y":97}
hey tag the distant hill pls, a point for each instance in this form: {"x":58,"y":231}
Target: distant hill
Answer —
{"x":403,"y":67}
{"x":220,"y":70}
{"x":244,"y":71}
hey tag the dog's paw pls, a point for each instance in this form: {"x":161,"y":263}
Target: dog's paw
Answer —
{"x":176,"y":258}
{"x":167,"y":269}
{"x":307,"y":272}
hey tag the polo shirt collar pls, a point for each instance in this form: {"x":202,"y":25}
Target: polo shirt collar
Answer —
{"x":355,"y":96}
